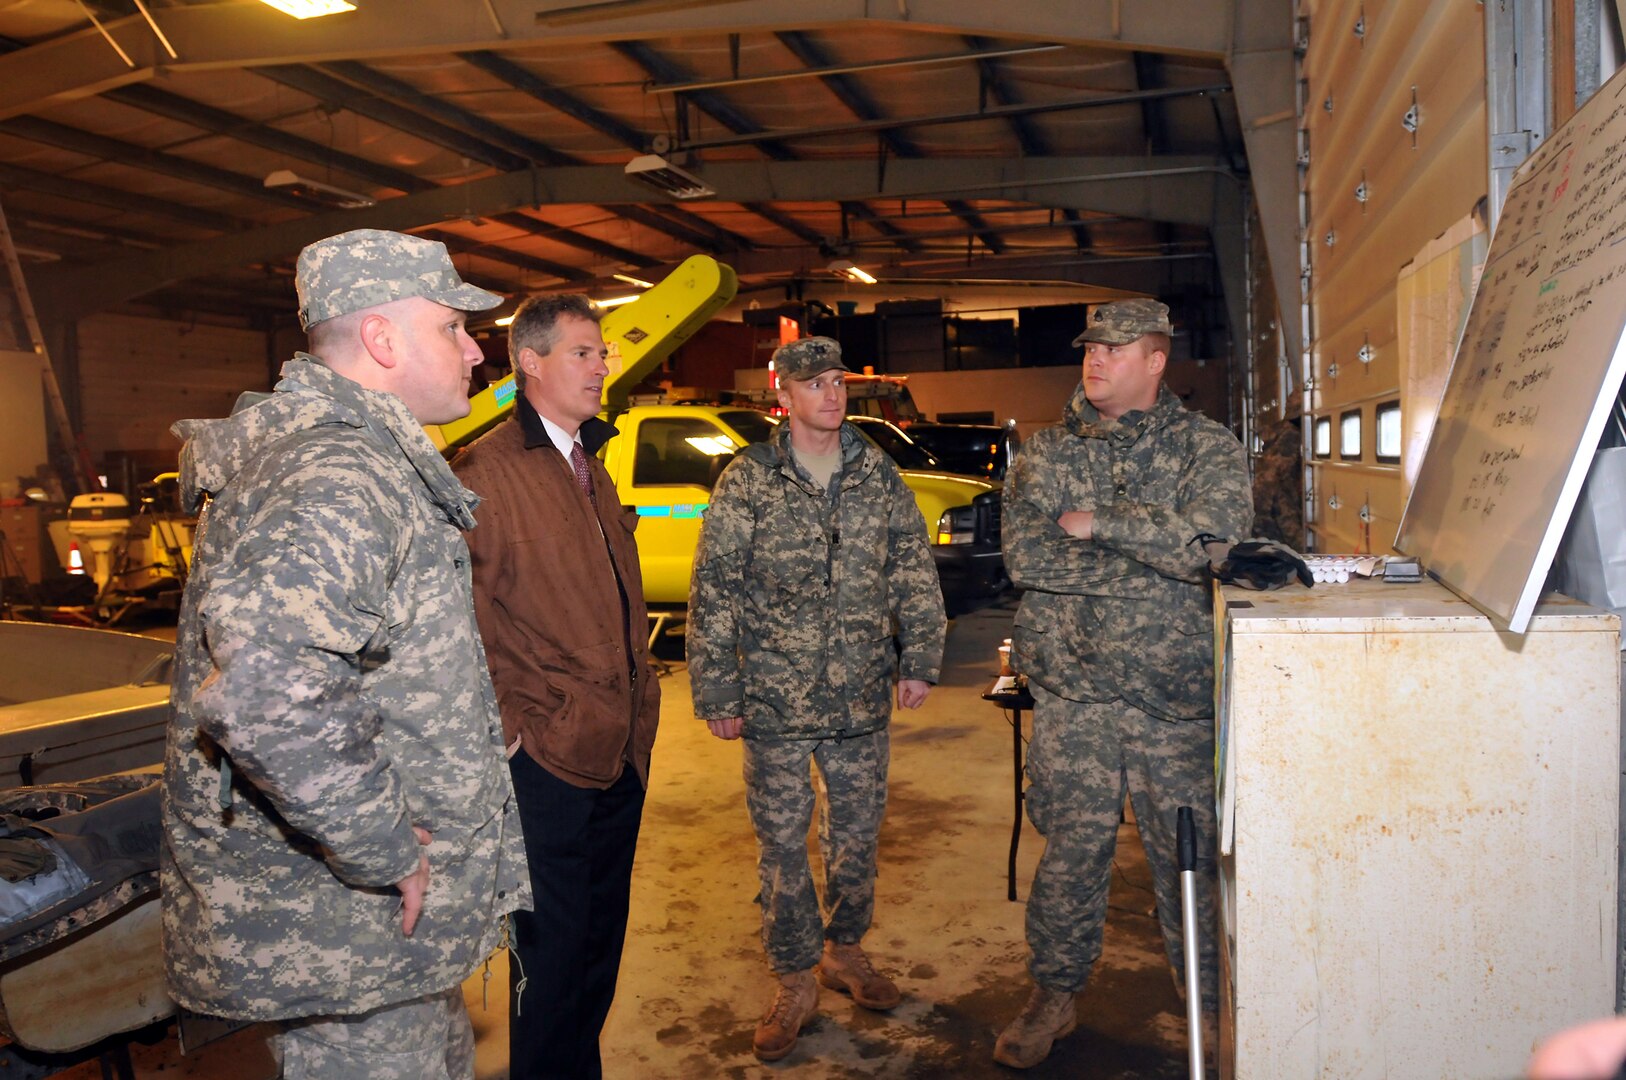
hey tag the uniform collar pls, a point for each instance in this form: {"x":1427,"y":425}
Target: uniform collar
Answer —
{"x":592,"y":435}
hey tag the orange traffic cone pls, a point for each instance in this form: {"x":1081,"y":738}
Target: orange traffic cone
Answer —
{"x":76,"y":561}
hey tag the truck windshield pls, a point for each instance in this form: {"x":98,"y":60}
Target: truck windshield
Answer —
{"x":753,"y":427}
{"x":903,"y":450}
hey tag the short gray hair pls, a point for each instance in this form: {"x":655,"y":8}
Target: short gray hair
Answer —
{"x":536,"y":326}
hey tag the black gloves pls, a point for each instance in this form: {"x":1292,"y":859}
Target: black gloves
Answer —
{"x":1255,"y":564}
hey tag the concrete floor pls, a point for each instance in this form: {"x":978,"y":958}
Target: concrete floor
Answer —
{"x":693,"y":981}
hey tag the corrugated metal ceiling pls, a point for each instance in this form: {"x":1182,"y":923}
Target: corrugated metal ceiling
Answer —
{"x":180,"y":159}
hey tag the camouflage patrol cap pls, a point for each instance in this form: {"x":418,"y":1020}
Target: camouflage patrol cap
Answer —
{"x":363,"y":268}
{"x":806,"y":358}
{"x":1123,"y":321}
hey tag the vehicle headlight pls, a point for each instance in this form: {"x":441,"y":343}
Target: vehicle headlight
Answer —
{"x":956,"y":526}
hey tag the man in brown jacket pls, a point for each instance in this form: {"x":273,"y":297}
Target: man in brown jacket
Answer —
{"x":561,"y":609}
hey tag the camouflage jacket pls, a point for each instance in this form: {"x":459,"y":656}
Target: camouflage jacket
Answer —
{"x":797,"y":593}
{"x":330,"y":693}
{"x":1129,"y":613}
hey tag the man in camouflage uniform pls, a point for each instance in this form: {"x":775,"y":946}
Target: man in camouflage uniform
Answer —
{"x":812,"y":555}
{"x":1278,"y":485}
{"x":341,"y":845}
{"x":1102,"y":519}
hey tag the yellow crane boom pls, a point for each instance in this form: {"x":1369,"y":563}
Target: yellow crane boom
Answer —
{"x":640,"y":335}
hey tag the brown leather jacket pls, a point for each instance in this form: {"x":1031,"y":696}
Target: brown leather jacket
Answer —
{"x":568,"y":648}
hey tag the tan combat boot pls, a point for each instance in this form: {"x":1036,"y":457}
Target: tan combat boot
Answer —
{"x":1049,"y":1015}
{"x":846,"y":968}
{"x":796,"y":1003}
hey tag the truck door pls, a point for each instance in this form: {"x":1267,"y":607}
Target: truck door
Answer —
{"x":675,"y":462}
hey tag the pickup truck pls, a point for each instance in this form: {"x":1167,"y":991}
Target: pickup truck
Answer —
{"x":667,"y":458}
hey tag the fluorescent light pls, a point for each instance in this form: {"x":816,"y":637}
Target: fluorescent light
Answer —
{"x":309,"y":9}
{"x":315,"y":190}
{"x":630,"y":280}
{"x":662,"y":175}
{"x":712,"y":445}
{"x":845,"y":268}
{"x":505,"y":320}
{"x":617,"y":301}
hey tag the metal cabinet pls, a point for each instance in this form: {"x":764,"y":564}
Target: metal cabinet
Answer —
{"x":1418,"y":831}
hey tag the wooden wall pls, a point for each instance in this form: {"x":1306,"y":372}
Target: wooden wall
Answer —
{"x":137,"y":376}
{"x":22,"y":421}
{"x":1417,"y":185}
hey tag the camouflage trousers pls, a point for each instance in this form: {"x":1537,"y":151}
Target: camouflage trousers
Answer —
{"x":850,"y":783}
{"x":427,"y":1038}
{"x":1083,"y":758}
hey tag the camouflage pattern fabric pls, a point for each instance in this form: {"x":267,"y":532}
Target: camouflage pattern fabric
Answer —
{"x":1123,"y":321}
{"x":70,"y":798}
{"x":141,"y":887}
{"x":1278,"y":486}
{"x":1127,"y":614}
{"x":1083,"y":758}
{"x":1115,"y":636}
{"x":850,"y":780}
{"x":426,"y":1039}
{"x":363,"y":268}
{"x":330,"y":693}
{"x":101,"y":839}
{"x":797,"y":592}
{"x":806,"y":357}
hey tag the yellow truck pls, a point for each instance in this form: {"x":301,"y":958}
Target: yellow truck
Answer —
{"x":667,"y":456}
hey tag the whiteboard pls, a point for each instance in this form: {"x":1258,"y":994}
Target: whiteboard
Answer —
{"x":1536,"y":371}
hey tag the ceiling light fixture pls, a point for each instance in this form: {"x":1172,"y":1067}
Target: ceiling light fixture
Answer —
{"x":294,"y":184}
{"x":662,"y":175}
{"x":630,"y":280}
{"x":617,"y":301}
{"x":37,"y":254}
{"x":844,"y":268}
{"x":309,"y":9}
{"x":506,"y":320}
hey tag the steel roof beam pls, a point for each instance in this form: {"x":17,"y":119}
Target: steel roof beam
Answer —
{"x":391,"y":90}
{"x":220,"y":122}
{"x":338,"y":93}
{"x":982,"y":54}
{"x":84,"y":191}
{"x":950,"y":234}
{"x":996,"y":113}
{"x":795,"y":226}
{"x":459,"y":130}
{"x":1028,"y":136}
{"x":847,"y":91}
{"x":1155,"y":125}
{"x":977,"y":224}
{"x":462,"y":245}
{"x":1135,"y":273}
{"x":120,"y":152}
{"x":572,"y":238}
{"x":865,"y":213}
{"x":1180,"y":190}
{"x":524,"y":80}
{"x":234,"y":36}
{"x":861,"y":105}
{"x":95,"y":233}
{"x":714,"y":105}
{"x":657,"y":66}
{"x":1081,"y":231}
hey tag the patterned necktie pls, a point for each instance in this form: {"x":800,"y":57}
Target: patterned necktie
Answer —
{"x":578,"y":461}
